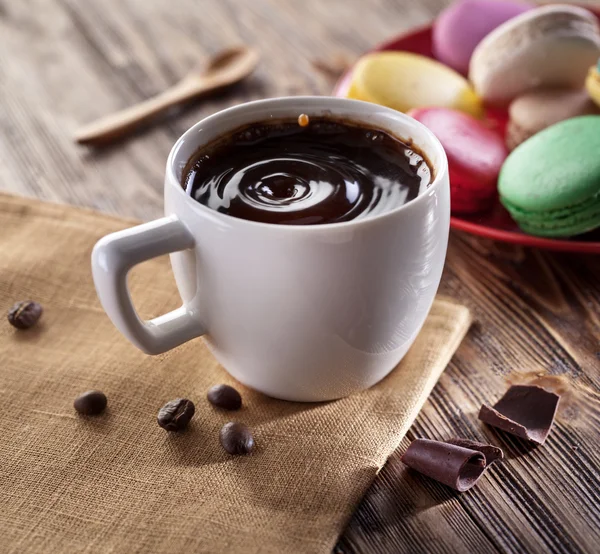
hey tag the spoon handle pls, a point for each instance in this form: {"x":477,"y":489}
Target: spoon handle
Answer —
{"x":120,"y":123}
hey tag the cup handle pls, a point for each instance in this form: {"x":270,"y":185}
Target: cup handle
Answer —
{"x":113,"y":257}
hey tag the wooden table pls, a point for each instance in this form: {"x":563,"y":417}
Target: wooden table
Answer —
{"x":66,"y":62}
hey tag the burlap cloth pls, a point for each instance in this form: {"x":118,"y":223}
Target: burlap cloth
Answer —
{"x":120,"y":483}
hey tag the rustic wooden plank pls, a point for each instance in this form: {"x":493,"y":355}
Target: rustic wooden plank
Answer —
{"x":66,"y":62}
{"x":536,"y":313}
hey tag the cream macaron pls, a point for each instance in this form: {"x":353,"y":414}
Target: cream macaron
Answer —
{"x":550,"y":46}
{"x":538,"y":109}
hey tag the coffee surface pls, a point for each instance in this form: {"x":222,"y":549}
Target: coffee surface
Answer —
{"x":325,"y":172}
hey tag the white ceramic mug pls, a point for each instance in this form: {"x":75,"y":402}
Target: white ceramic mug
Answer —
{"x":304,"y":313}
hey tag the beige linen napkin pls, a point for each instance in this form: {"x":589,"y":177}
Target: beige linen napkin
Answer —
{"x":118,"y":482}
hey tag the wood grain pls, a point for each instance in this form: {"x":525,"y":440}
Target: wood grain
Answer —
{"x":64,"y":63}
{"x":536,"y":314}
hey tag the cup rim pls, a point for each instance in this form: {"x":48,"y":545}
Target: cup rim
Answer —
{"x":324,"y":102}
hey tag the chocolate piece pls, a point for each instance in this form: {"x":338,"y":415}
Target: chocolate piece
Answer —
{"x":526,"y":411}
{"x":225,"y":397}
{"x":455,"y":466}
{"x":92,"y":402}
{"x":492,"y":453}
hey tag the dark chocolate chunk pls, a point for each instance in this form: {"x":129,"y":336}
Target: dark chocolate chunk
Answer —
{"x":25,"y":314}
{"x":175,"y":415}
{"x":492,"y":453}
{"x":455,"y":466}
{"x":526,"y":411}
{"x":92,"y":402}
{"x":225,"y":397}
{"x":236,"y":438}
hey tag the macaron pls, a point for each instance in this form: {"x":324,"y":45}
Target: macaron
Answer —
{"x":404,"y":81}
{"x":461,"y":26}
{"x":550,"y":46}
{"x":550,"y":184}
{"x":592,"y":83}
{"x":535,"y":111}
{"x":475,"y":155}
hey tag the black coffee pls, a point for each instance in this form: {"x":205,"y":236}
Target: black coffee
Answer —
{"x":306,"y":172}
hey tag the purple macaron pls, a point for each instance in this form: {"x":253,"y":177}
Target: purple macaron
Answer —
{"x":460,"y":28}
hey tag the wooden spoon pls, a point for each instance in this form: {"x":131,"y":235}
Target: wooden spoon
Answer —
{"x":225,"y":68}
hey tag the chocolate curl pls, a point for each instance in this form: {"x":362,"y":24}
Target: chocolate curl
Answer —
{"x":492,"y":453}
{"x":452,"y":465}
{"x":526,"y":411}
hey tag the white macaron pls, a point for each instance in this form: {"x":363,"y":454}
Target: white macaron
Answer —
{"x":550,"y":46}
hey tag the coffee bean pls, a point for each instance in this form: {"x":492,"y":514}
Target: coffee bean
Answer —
{"x":175,"y":415}
{"x":92,"y":402}
{"x":25,"y":314}
{"x":236,"y":438}
{"x":224,"y":396}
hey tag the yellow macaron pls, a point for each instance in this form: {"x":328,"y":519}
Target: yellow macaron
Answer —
{"x":592,"y":83}
{"x":405,"y":81}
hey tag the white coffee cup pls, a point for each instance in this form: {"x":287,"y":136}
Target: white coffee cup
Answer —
{"x":303,"y":313}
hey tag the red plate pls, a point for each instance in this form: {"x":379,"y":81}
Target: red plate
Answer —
{"x":497,"y":223}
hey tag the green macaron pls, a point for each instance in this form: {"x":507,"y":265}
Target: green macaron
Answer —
{"x":550,"y":184}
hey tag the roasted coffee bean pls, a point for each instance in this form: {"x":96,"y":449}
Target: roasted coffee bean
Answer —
{"x":236,"y":438}
{"x":25,"y":314}
{"x":175,"y":415}
{"x":92,"y":402}
{"x":224,"y":396}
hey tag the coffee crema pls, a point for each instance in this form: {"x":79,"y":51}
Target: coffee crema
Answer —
{"x":328,"y":171}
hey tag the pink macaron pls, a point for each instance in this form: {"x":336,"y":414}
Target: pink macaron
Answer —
{"x":475,"y":156}
{"x":461,"y":26}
